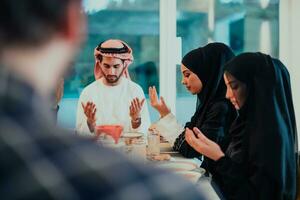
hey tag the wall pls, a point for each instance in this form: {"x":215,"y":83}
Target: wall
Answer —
{"x":289,"y":17}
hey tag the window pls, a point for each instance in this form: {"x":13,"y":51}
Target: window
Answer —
{"x":134,"y":21}
{"x":244,"y":25}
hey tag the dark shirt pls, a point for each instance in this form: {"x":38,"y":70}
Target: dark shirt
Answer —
{"x":216,"y":124}
{"x":241,"y":178}
{"x":41,"y":161}
{"x":260,"y":162}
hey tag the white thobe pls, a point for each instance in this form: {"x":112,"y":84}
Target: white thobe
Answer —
{"x":112,"y":104}
{"x":168,"y":127}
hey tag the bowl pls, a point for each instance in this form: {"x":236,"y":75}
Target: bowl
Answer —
{"x":114,"y":131}
{"x":132,"y":137}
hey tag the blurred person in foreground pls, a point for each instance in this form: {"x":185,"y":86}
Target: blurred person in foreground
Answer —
{"x":38,"y":39}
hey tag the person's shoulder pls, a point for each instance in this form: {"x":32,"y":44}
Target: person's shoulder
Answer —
{"x":89,"y":88}
{"x":220,"y":105}
{"x":135,"y":86}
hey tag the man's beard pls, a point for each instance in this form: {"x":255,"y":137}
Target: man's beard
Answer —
{"x":113,"y":78}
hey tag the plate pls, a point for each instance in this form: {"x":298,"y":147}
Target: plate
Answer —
{"x":110,"y":142}
{"x":132,"y":135}
{"x":178,"y":166}
{"x":192,"y":176}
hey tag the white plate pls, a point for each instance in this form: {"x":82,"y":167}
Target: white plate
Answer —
{"x":178,"y":166}
{"x":192,"y":176}
{"x":132,"y":135}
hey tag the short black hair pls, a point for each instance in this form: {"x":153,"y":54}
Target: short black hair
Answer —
{"x":100,"y":58}
{"x":31,"y":22}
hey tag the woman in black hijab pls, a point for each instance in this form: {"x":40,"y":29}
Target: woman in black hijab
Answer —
{"x":202,"y":71}
{"x":261,"y":159}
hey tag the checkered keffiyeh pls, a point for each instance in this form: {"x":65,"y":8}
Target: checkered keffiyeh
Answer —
{"x":41,"y":161}
{"x":113,"y":43}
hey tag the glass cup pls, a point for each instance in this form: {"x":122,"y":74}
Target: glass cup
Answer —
{"x":153,"y":148}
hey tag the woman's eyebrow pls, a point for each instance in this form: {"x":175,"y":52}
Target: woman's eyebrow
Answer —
{"x":186,"y":70}
{"x":229,"y":82}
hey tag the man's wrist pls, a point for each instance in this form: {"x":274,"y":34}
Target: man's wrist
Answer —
{"x":136,"y":122}
{"x":163,"y":114}
{"x":91,"y":126}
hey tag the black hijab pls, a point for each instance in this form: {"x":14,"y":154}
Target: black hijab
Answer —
{"x":266,"y":126}
{"x":208,"y":64}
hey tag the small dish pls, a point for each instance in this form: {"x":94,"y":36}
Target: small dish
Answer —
{"x":132,"y":138}
{"x":132,"y":135}
{"x":192,"y":176}
{"x":178,"y":166}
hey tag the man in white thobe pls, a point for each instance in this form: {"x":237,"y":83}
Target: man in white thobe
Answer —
{"x":112,"y":98}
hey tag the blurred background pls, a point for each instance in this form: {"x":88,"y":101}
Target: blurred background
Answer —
{"x":160,"y":32}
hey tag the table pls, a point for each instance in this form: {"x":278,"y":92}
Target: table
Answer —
{"x":139,"y":151}
{"x":204,"y":183}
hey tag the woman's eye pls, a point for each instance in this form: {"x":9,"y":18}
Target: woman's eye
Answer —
{"x":186,"y":75}
{"x":234,"y":86}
